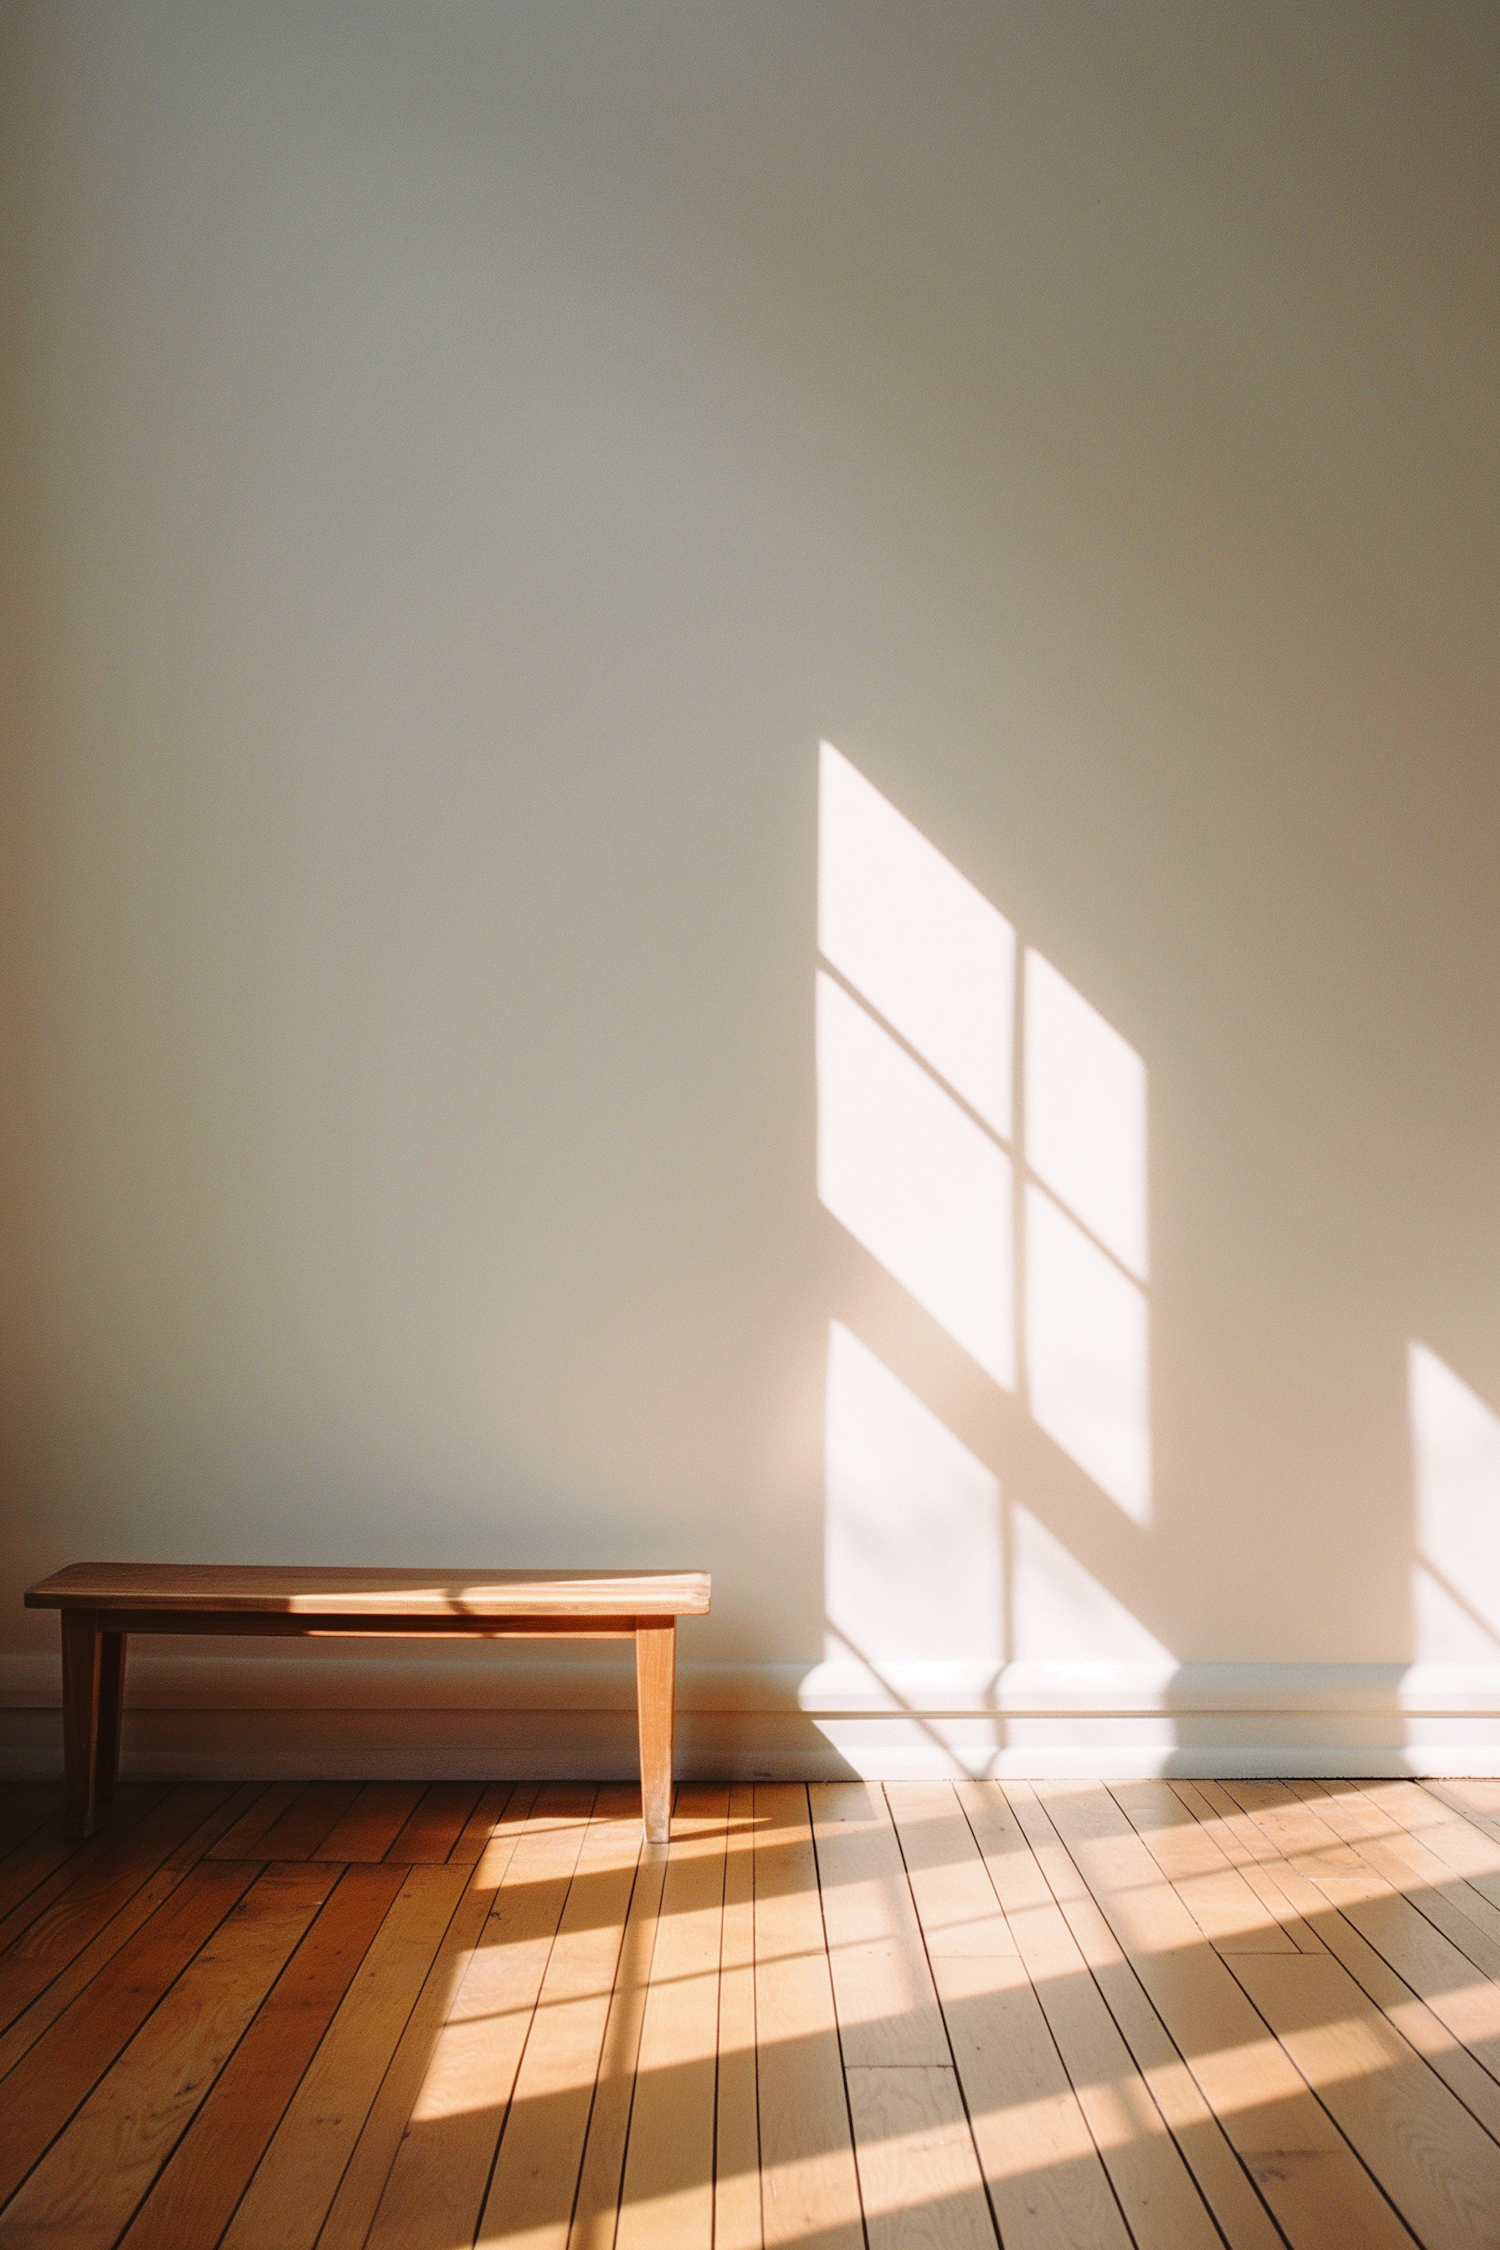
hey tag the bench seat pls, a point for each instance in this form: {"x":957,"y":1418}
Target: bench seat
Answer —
{"x":102,"y":1604}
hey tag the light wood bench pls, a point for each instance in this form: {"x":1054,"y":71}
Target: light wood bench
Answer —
{"x":101,"y":1604}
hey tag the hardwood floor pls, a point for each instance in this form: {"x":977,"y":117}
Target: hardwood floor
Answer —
{"x":1174,"y":2015}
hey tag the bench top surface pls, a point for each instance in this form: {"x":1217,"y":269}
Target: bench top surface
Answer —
{"x":327,"y":1591}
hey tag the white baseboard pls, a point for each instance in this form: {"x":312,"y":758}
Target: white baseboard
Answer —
{"x":415,"y":1711}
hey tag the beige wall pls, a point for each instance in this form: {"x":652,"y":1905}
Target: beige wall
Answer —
{"x":466,"y":458}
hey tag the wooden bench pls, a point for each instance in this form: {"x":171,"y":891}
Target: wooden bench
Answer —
{"x":102,"y":1604}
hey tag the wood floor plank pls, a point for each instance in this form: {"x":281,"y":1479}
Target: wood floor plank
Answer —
{"x":533,"y":2185}
{"x":434,"y":1825}
{"x":1408,"y":1870}
{"x":39,"y":1853}
{"x":51,"y":1862}
{"x":51,"y":1850}
{"x":54,"y":1938}
{"x":373,"y":1822}
{"x":293,"y":2185}
{"x":91,"y":2180}
{"x":243,"y":1840}
{"x":918,"y":2172}
{"x":809,"y":2185}
{"x":352,"y":2212}
{"x":1232,"y":1916}
{"x":737,"y":2130}
{"x":61,"y":2070}
{"x":194,"y":2197}
{"x":41,"y":2013}
{"x":1377,"y":1935}
{"x":1317,"y":1838}
{"x":1440,"y":2168}
{"x":1420,"y":1810}
{"x":24,"y":1807}
{"x":1477,"y":1802}
{"x":1317,"y":2188}
{"x":1253,"y":1854}
{"x":475,"y":1834}
{"x":1047,"y":2185}
{"x":668,"y":2195}
{"x":1297,"y":1858}
{"x":1465,"y":1847}
{"x":882,"y":1987}
{"x":1226,"y":2186}
{"x":596,"y":2210}
{"x":1167,"y":2159}
{"x":958,"y":1909}
{"x":918,"y":2169}
{"x":435,"y":2189}
{"x":1061,"y":2016}
{"x":27,"y":2027}
{"x":1454,"y":1902}
{"x":1306,"y":1843}
{"x":317,"y":1807}
{"x":200,"y":1841}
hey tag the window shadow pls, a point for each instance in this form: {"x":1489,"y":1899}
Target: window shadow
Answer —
{"x":870,"y":2016}
{"x":982,"y":1135}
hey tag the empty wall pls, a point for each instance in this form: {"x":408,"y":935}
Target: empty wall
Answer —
{"x":463,"y":460}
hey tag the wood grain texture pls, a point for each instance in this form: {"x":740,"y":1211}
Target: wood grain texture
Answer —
{"x":86,"y":2187}
{"x":370,"y":1825}
{"x":1436,"y":2163}
{"x":655,"y":1698}
{"x":1047,"y":2185}
{"x":354,"y":2206}
{"x":1253,"y":1854}
{"x":809,"y":2186}
{"x":68,"y":1971}
{"x":48,"y":1940}
{"x":298,"y":1590}
{"x":436,"y":2186}
{"x":60,"y":2072}
{"x":242,"y":1839}
{"x":919,"y":2177}
{"x":195,"y":2194}
{"x":317,"y":1808}
{"x":1354,"y":1859}
{"x":919,"y":2174}
{"x":1315,"y":2185}
{"x":596,"y":2207}
{"x":737,"y":2127}
{"x":1233,"y":1917}
{"x":435,"y":1824}
{"x":1477,"y":1802}
{"x":1451,"y":1878}
{"x":288,"y":2198}
{"x":882,"y":1987}
{"x":535,"y":2178}
{"x":1413,"y":1936}
{"x":474,"y":1837}
{"x":1400,"y":1960}
{"x":1166,"y":2157}
{"x":668,"y":2195}
{"x":1465,"y":1847}
{"x":51,"y":1858}
{"x":921,"y":2016}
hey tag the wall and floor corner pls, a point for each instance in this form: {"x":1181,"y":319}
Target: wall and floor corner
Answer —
{"x":1029,"y":1221}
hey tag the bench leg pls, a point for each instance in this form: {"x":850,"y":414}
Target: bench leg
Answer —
{"x":655,"y":1696}
{"x":111,"y":1701}
{"x":81,"y":1669}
